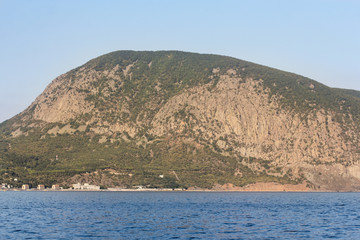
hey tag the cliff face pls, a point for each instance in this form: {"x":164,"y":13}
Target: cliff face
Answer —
{"x":239,"y":114}
{"x":208,"y":119}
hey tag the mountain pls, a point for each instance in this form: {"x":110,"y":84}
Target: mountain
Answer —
{"x":178,"y":119}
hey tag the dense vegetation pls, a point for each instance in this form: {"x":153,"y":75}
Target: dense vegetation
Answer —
{"x":33,"y":160}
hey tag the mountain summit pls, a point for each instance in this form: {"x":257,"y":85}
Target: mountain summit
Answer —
{"x":177,"y":119}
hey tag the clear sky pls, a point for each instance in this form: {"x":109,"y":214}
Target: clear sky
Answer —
{"x":42,"y":39}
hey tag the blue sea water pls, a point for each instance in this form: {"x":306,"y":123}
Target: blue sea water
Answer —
{"x":179,"y":215}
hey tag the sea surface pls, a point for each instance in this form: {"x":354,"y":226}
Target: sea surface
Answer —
{"x":179,"y":215}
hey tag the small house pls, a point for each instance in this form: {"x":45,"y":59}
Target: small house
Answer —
{"x":25,"y":187}
{"x":41,"y":187}
{"x":55,"y":187}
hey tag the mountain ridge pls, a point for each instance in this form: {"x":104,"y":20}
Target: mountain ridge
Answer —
{"x":207,"y":118}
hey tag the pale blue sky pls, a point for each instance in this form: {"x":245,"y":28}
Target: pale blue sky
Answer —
{"x":42,"y":39}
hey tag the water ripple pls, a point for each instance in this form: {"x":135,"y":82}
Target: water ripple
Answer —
{"x":178,"y":215}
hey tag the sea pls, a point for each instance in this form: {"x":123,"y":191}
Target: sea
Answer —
{"x":179,"y":215}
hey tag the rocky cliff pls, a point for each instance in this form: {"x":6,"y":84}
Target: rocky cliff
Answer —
{"x":175,"y":119}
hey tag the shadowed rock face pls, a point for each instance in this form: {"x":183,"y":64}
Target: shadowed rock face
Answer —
{"x":270,"y":123}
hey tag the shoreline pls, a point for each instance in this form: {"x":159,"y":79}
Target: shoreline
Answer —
{"x":228,"y":187}
{"x":176,"y":190}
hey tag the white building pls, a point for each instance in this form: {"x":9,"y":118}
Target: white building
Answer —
{"x":77,"y":186}
{"x":86,"y":186}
